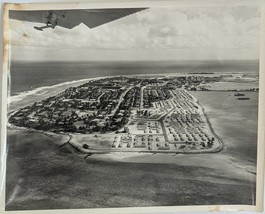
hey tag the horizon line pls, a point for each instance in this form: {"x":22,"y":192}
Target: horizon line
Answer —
{"x":142,"y":61}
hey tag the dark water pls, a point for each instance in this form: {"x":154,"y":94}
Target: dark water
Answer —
{"x":42,"y":175}
{"x":53,"y":177}
{"x":27,"y":76}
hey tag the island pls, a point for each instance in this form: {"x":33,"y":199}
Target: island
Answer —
{"x":156,"y":114}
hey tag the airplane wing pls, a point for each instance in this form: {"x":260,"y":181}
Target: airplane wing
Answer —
{"x":71,"y":18}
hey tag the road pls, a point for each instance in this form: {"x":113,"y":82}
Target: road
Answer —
{"x":120,"y":100}
{"x":142,"y":97}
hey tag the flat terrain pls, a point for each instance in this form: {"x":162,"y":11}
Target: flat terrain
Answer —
{"x":133,"y":115}
{"x":43,"y":175}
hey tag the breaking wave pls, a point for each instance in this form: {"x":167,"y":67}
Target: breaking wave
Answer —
{"x":41,"y":91}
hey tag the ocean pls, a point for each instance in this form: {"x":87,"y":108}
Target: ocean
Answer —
{"x":62,"y":178}
{"x":227,"y":177}
{"x":27,"y":76}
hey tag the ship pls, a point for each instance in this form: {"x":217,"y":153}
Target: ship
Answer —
{"x":243,"y":98}
{"x":239,"y":94}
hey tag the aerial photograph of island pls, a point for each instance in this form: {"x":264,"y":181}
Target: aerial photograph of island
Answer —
{"x":136,"y":107}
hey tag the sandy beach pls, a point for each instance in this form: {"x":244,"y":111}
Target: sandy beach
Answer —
{"x":165,"y":180}
{"x":135,"y":179}
{"x":29,"y":97}
{"x":137,"y":106}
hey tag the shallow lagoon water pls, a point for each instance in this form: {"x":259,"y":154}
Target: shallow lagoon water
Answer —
{"x":236,"y":121}
{"x":41,"y":175}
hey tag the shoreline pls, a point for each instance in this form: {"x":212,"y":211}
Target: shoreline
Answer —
{"x":222,"y":174}
{"x":18,"y":96}
{"x":13,"y":100}
{"x":78,"y":146}
{"x":221,"y":146}
{"x":75,"y":145}
{"x":178,"y":158}
{"x":96,"y":152}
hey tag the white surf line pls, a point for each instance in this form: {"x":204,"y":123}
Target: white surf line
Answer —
{"x":24,"y":94}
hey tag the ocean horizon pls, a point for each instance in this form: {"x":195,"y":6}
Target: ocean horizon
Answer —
{"x":29,"y":75}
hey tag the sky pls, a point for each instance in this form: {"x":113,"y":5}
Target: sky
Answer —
{"x":155,"y":34}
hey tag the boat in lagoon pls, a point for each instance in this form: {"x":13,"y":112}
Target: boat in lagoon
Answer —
{"x":243,"y":98}
{"x":239,"y":94}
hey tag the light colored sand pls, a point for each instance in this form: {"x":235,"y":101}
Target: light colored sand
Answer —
{"x":38,"y":94}
{"x":231,"y":85}
{"x":222,"y":161}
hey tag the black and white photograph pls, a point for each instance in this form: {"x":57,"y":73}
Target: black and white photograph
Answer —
{"x":138,"y":106}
